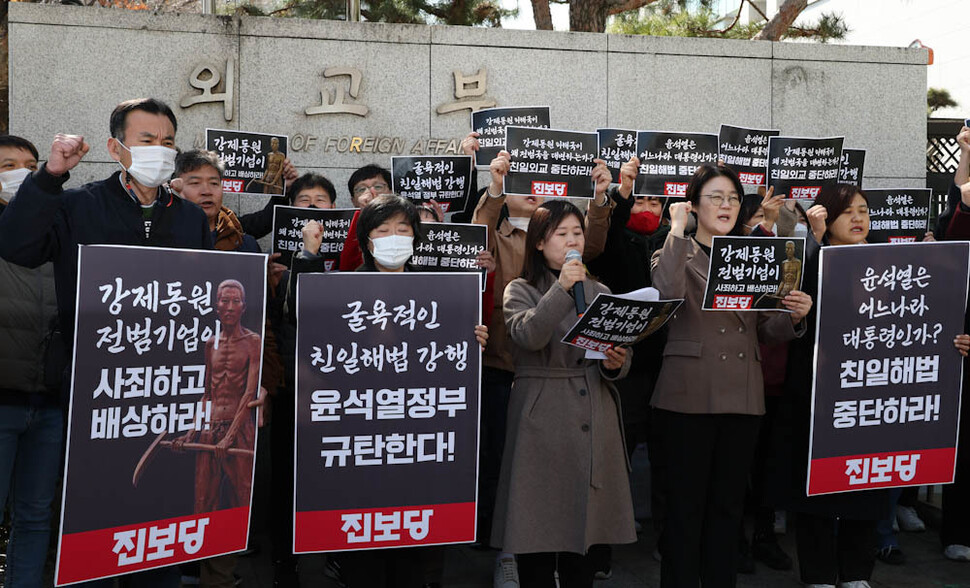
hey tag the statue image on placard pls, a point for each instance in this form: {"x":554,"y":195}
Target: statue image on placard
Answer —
{"x":791,"y":276}
{"x":272,"y":179}
{"x":225,"y":449}
{"x":656,"y":322}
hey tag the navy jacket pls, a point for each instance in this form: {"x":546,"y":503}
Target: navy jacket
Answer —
{"x":46,"y":223}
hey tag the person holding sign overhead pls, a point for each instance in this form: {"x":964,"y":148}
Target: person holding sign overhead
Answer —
{"x":563,"y":485}
{"x":710,"y":393}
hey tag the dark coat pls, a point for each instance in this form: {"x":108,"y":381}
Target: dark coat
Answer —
{"x":46,"y":223}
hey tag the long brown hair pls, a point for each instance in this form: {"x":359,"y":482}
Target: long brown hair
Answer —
{"x":543,"y":223}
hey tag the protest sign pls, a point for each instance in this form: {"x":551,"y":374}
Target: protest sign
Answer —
{"x":387,"y":395}
{"x":898,"y":216}
{"x":167,"y":353}
{"x":550,"y":163}
{"x":753,"y":273}
{"x":746,"y":152}
{"x":798,"y":167}
{"x":450,"y":247}
{"x":616,"y":147}
{"x":446,"y":179}
{"x":253,"y":161}
{"x":620,"y":320}
{"x":887,"y":378}
{"x":851,"y":166}
{"x":490,"y":125}
{"x":288,"y":223}
{"x":668,"y":160}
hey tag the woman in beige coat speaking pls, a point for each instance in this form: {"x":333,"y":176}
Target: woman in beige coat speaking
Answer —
{"x":564,"y":480}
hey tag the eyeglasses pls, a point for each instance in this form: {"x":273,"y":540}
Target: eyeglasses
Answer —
{"x":361,"y":189}
{"x":718,"y":199}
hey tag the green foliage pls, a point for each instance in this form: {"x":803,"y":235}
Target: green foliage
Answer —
{"x":937,"y":98}
{"x":461,"y":12}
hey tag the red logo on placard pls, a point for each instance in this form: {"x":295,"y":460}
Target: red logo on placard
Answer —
{"x":675,"y":188}
{"x":444,"y":205}
{"x":902,"y":239}
{"x":732,"y":302}
{"x":234,"y":186}
{"x":549,"y":189}
{"x":805,"y":191}
{"x":751,"y":179}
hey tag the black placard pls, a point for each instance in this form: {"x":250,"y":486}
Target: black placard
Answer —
{"x":288,"y":223}
{"x":753,"y":273}
{"x":852,"y":166}
{"x":253,"y":161}
{"x":799,"y":167}
{"x":616,"y":147}
{"x":550,"y":163}
{"x":446,"y":179}
{"x":886,"y":394}
{"x":387,"y":391}
{"x":898,"y":216}
{"x":490,"y":124}
{"x":746,"y":152}
{"x":668,"y":160}
{"x":614,"y":321}
{"x":450,"y":247}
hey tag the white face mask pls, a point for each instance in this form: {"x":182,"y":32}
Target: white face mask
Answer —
{"x":394,"y":251}
{"x":11,"y":180}
{"x":520,"y":222}
{"x":151,"y":165}
{"x":800,"y":230}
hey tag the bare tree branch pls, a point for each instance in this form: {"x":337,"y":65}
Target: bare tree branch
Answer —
{"x":618,"y":6}
{"x":782,"y":20}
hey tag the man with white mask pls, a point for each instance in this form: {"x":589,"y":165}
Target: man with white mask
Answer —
{"x":45,"y":223}
{"x":31,"y":418}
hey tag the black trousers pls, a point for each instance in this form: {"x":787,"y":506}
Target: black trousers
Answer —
{"x":832,"y":550}
{"x":496,"y":387}
{"x":955,"y":526}
{"x":708,"y":458}
{"x":538,"y":570}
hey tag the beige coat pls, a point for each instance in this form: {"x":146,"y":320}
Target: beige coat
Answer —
{"x":564,"y":481}
{"x":712,"y":362}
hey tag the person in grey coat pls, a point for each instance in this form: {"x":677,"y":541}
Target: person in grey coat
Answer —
{"x":564,"y":480}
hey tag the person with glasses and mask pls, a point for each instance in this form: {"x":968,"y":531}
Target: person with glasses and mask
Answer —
{"x":709,"y":396}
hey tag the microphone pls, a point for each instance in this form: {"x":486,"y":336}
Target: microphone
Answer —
{"x":579,"y":295}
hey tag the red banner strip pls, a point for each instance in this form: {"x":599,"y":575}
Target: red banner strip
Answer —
{"x":377,"y":528}
{"x":155,"y":544}
{"x":881,"y":470}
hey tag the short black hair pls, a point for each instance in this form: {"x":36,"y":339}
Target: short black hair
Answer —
{"x":312,"y":180}
{"x":19,"y":143}
{"x":119,"y":116}
{"x":365,"y":173}
{"x":379,"y":210}
{"x":189,"y":161}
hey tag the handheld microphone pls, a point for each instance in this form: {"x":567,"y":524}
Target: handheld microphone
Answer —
{"x":579,"y":296}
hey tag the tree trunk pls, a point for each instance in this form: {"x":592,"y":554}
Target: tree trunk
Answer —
{"x":542,"y":15}
{"x":783,"y":19}
{"x":588,"y":15}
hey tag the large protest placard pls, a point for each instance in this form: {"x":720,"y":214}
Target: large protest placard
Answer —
{"x":898,"y":216}
{"x":886,"y":392}
{"x":490,"y":125}
{"x":288,"y":223}
{"x":852,"y":166}
{"x":753,"y":273}
{"x":451,"y":247}
{"x":620,"y":320}
{"x":550,"y":163}
{"x":616,"y":147}
{"x":253,"y":161}
{"x":746,"y":152}
{"x":668,"y":160}
{"x":387,"y":393}
{"x":798,"y":167}
{"x":160,"y":451}
{"x":446,"y":179}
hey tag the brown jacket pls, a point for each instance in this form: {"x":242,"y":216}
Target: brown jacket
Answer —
{"x":564,"y":481}
{"x":507,"y":244}
{"x":712,"y":362}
